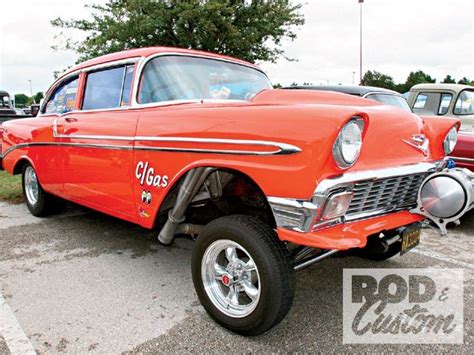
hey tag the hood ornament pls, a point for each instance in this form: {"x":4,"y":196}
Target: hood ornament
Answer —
{"x":419,"y":142}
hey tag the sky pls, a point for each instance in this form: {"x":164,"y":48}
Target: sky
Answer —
{"x":399,"y":36}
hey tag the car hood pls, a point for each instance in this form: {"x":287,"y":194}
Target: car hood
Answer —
{"x":389,"y":132}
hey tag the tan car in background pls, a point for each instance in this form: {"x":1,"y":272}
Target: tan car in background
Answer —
{"x":450,"y":100}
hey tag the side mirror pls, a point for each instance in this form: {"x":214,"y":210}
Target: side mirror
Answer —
{"x":34,"y":110}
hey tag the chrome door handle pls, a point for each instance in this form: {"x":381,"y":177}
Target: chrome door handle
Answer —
{"x":70,"y":119}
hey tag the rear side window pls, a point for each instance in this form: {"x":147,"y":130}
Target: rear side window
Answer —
{"x":444,"y":103}
{"x":434,"y":103}
{"x":64,"y":98}
{"x":108,"y":88}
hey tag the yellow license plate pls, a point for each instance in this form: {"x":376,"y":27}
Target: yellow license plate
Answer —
{"x":410,"y":239}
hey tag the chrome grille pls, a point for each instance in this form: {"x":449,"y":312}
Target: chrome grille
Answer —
{"x":380,"y":196}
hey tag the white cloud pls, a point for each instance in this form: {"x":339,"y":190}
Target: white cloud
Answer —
{"x":399,"y":36}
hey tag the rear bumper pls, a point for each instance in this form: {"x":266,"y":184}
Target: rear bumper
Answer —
{"x":350,"y":234}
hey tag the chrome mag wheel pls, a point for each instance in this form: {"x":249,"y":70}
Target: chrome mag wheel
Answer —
{"x":31,"y":186}
{"x":230,"y":278}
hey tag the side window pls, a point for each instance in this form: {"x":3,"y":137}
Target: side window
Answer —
{"x":420,"y":101}
{"x":444,"y":103}
{"x":64,"y":98}
{"x":465,"y":103}
{"x":108,"y":88}
{"x":103,"y":89}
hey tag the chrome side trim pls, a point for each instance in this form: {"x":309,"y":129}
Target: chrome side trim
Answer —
{"x":282,"y":148}
{"x":215,"y":151}
{"x":56,"y":144}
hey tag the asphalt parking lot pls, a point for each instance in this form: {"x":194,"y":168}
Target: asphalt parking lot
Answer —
{"x":85,"y":282}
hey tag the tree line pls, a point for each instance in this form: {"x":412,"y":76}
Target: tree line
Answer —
{"x":22,"y":100}
{"x":375,"y":78}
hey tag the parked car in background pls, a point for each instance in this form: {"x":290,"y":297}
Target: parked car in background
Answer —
{"x":385,"y":96}
{"x":267,"y":182}
{"x":448,"y":100}
{"x":463,"y":153}
{"x":6,"y":107}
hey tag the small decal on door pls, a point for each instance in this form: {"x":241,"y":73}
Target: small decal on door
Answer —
{"x":147,"y":176}
{"x":146,"y":197}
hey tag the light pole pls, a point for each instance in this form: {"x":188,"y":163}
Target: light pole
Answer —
{"x":360,"y":54}
{"x":31,"y":92}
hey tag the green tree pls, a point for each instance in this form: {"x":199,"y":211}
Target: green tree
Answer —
{"x":38,"y":96}
{"x":449,"y":80}
{"x":375,"y":78}
{"x":249,"y":30}
{"x":464,"y":81}
{"x":21,"y":100}
{"x":418,"y":77}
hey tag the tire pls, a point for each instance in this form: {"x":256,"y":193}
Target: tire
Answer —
{"x":39,"y":202}
{"x":273,"y":276}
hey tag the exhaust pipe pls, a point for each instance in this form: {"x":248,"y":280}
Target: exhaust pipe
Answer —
{"x":189,"y":188}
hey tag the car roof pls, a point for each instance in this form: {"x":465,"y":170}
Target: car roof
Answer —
{"x":346,"y":89}
{"x":4,"y":93}
{"x":441,"y":86}
{"x":149,"y":51}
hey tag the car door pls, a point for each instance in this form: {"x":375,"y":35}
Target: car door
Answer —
{"x":98,"y":139}
{"x":49,"y":160}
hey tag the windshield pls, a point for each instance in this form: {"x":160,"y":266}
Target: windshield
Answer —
{"x":465,"y":103}
{"x":4,"y":101}
{"x":392,"y":100}
{"x":190,"y":78}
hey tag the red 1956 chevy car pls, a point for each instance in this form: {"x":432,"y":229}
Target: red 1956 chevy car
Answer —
{"x":266,"y":181}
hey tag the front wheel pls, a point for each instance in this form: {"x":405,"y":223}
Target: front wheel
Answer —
{"x":242,"y":274}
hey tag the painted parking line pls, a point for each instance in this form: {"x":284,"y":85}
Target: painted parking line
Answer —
{"x":442,"y":257}
{"x":11,"y":331}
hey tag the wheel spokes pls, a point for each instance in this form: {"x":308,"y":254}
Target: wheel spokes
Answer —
{"x":250,"y":265}
{"x":233,"y":296}
{"x":231,"y":253}
{"x":219,"y":271}
{"x":250,"y":290}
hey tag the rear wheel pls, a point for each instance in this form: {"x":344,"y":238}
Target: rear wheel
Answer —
{"x":242,"y":274}
{"x":39,"y":202}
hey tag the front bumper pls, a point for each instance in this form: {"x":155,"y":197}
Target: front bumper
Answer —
{"x":383,"y":200}
{"x":351,"y":234}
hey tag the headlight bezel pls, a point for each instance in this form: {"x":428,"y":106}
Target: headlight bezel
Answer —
{"x":450,"y":141}
{"x":342,"y":161}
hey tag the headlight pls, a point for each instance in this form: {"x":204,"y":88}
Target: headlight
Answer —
{"x":347,"y":146}
{"x":450,"y":141}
